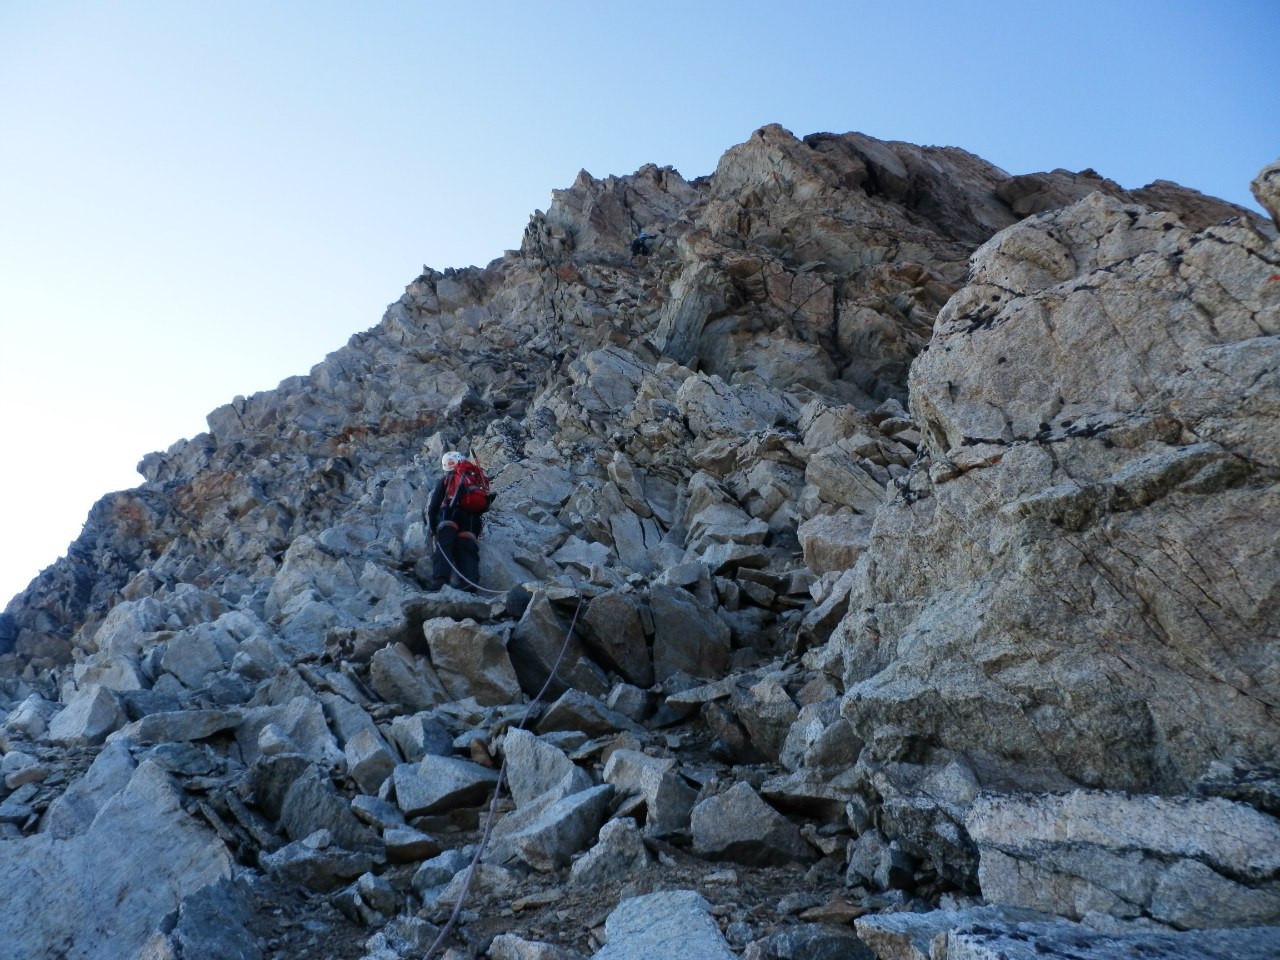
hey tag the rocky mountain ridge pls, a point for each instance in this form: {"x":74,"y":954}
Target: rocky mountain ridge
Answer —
{"x":898,"y":535}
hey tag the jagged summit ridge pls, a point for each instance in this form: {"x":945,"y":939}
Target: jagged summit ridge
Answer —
{"x":888,"y":488}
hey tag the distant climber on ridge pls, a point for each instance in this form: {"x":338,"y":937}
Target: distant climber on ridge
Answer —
{"x":640,"y":245}
{"x":454,"y":517}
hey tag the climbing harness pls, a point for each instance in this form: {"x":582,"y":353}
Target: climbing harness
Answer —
{"x":447,"y":929}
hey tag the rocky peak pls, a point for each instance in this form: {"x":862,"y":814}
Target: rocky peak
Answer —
{"x":893,"y":541}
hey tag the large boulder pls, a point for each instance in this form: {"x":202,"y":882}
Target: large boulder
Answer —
{"x":1099,"y":409}
{"x":687,"y":636}
{"x":471,"y":660}
{"x":738,"y":825}
{"x":141,"y":858}
{"x":1181,"y":861}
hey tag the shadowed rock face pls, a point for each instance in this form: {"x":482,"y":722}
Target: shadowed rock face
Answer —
{"x":886,"y":494}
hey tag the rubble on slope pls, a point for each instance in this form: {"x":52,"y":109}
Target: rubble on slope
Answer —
{"x":900,"y":570}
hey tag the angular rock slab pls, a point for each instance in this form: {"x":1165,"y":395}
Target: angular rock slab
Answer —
{"x":1189,"y":862}
{"x":687,"y":636}
{"x":435,"y":784}
{"x":74,"y":811}
{"x":537,"y":644}
{"x":676,"y":925}
{"x":141,"y":858}
{"x":534,"y":767}
{"x":546,"y":835}
{"x":92,"y":714}
{"x":294,"y":791}
{"x":668,"y":799}
{"x":619,"y":854}
{"x":834,"y":543}
{"x":1068,"y":942}
{"x":579,"y":711}
{"x":737,"y":825}
{"x":507,"y":946}
{"x":810,"y":941}
{"x":471,"y":661}
{"x":613,"y":626}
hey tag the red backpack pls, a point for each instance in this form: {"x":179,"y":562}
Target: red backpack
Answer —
{"x":467,"y":488}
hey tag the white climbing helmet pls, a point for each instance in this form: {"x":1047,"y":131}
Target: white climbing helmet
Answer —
{"x":451,"y":459}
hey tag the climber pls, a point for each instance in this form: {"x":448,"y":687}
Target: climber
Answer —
{"x":454,"y":517}
{"x":640,"y":245}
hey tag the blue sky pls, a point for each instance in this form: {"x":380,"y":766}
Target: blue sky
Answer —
{"x":198,"y":200}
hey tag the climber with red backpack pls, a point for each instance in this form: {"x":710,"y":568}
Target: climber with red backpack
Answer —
{"x":454,"y":514}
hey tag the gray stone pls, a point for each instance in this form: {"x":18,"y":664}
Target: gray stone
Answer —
{"x":292,"y":790}
{"x":407,"y":845}
{"x":377,"y":812}
{"x":379,"y":894}
{"x":1088,"y":487}
{"x":540,"y":641}
{"x":1190,"y":895}
{"x":618,"y":855}
{"x":30,"y":719}
{"x":842,"y":479}
{"x":688,"y":637}
{"x":73,"y":812}
{"x":312,"y":863}
{"x":112,"y":671}
{"x":369,"y":760}
{"x":87,"y":719}
{"x":419,"y":735}
{"x":141,"y":857}
{"x":880,"y":862}
{"x":434,"y":784}
{"x":668,"y":799}
{"x":834,"y":542}
{"x":192,"y":655}
{"x":578,"y":553}
{"x":398,"y":677}
{"x":580,"y":711}
{"x":613,"y":629}
{"x":1053,"y":941}
{"x":534,"y":767}
{"x":300,"y":722}
{"x":1266,"y":189}
{"x":631,"y":702}
{"x":1128,"y":856}
{"x":439,"y":870}
{"x":213,"y":924}
{"x":507,"y":946}
{"x":181,"y":725}
{"x":912,"y":936}
{"x":727,"y":558}
{"x":808,"y":793}
{"x":545,"y":835}
{"x":810,"y":941}
{"x":675,"y":925}
{"x":737,"y":825}
{"x":767,"y":712}
{"x":471,"y":661}
{"x":403,"y":937}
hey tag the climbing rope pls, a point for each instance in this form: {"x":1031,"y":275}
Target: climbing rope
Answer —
{"x":435,"y":545}
{"x":447,"y":929}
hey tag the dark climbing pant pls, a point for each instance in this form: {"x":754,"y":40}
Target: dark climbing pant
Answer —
{"x":457,"y":555}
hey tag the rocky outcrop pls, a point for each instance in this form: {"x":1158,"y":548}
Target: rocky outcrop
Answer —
{"x":895,"y":535}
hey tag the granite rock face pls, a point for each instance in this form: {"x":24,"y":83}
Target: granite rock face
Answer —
{"x":895,"y":533}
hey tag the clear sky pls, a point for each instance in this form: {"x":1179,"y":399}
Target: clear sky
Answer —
{"x":199,"y":199}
